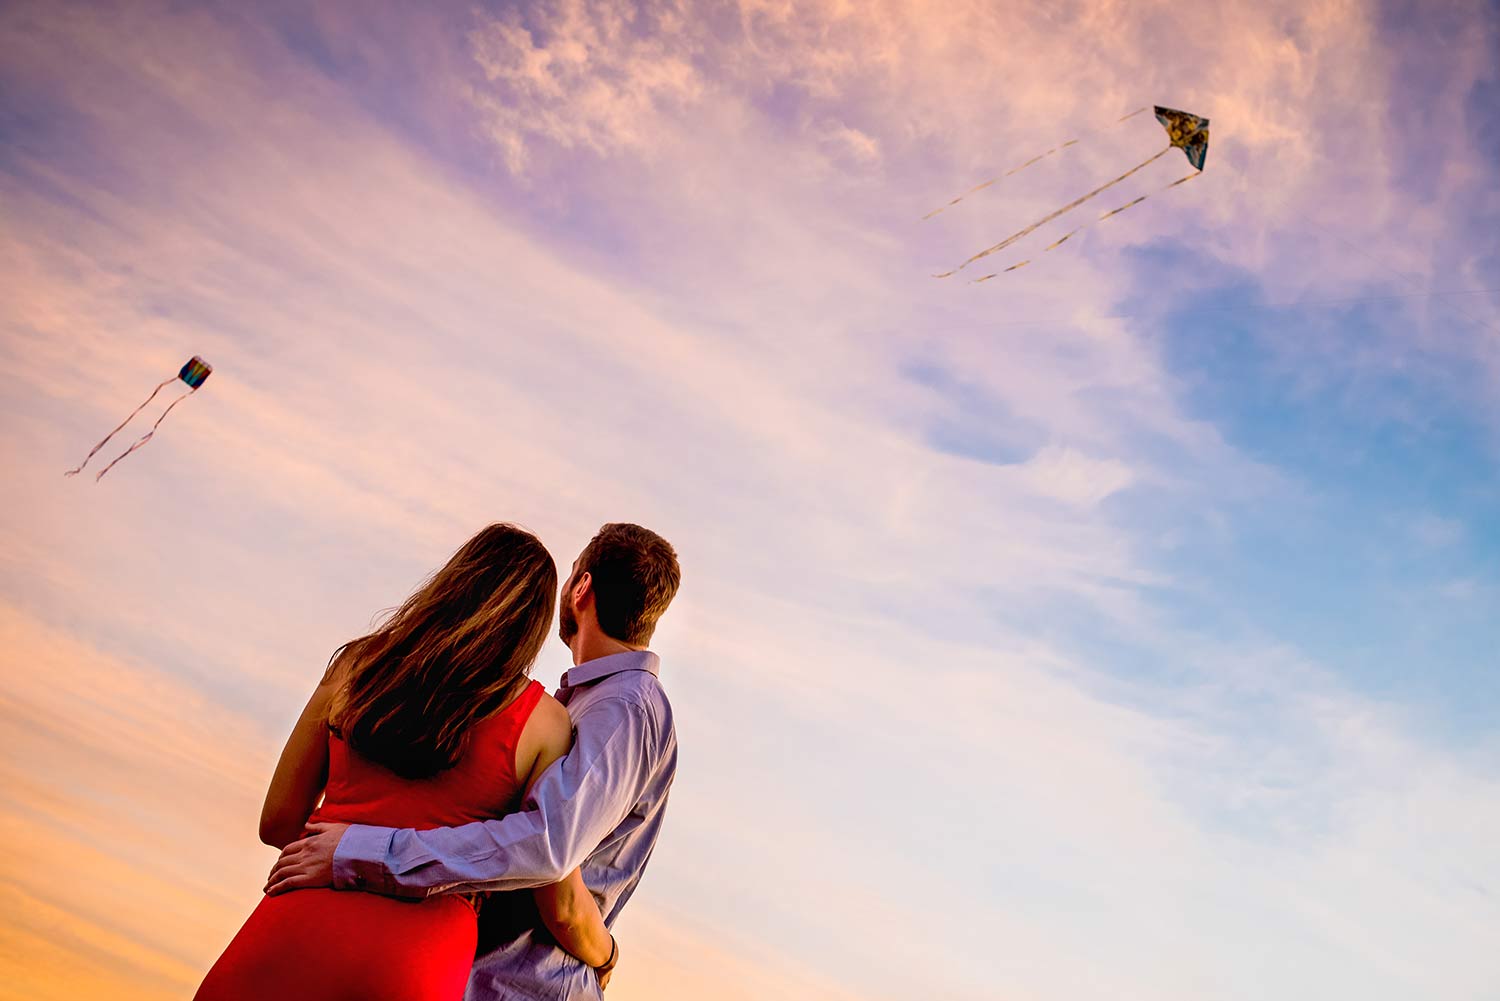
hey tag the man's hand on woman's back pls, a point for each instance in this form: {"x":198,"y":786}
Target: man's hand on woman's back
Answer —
{"x":308,"y":863}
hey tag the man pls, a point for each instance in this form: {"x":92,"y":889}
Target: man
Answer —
{"x":600,"y":805}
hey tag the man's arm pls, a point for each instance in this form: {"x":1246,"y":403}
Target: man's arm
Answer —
{"x":569,"y":811}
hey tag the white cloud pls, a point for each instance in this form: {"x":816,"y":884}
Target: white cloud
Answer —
{"x":1069,"y":476}
{"x":1437,"y":532}
{"x":848,"y":144}
{"x":592,"y":77}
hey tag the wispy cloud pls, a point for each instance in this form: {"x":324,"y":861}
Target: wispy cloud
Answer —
{"x":961,"y":659}
{"x":602,"y":79}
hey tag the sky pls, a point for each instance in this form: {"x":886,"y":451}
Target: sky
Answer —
{"x":1121,"y":627}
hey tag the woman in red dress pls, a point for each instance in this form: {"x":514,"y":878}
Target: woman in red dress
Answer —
{"x":429,"y":721}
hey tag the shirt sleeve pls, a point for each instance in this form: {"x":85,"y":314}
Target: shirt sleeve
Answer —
{"x":570,"y":809}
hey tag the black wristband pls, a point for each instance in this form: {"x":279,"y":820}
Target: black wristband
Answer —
{"x":614,"y":951}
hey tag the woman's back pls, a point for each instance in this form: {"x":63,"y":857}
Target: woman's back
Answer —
{"x":483,"y":784}
{"x":415,"y":695}
{"x":327,"y":945}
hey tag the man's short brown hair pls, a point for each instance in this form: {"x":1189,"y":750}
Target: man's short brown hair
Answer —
{"x":635,"y":575}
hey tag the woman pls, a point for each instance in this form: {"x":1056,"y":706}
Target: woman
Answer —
{"x":430,"y":721}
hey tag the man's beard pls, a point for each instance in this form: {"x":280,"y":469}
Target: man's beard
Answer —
{"x":567,"y":623}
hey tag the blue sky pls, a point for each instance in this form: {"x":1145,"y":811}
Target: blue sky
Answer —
{"x":1120,"y":627}
{"x":1373,"y":559}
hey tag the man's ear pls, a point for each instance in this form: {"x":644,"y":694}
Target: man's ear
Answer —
{"x":583,"y":588}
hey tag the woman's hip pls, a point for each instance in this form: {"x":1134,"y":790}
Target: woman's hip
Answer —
{"x":331,"y":944}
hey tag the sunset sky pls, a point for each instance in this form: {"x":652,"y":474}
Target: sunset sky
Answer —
{"x":1120,"y":628}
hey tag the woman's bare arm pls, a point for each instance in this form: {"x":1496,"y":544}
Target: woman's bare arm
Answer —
{"x":567,"y":907}
{"x":301,"y":773}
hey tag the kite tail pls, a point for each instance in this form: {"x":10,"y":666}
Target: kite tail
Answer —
{"x":997,"y":274}
{"x":85,"y":462}
{"x":1062,"y":211}
{"x":1016,"y":170}
{"x":147,"y":436}
{"x":1169,"y":187}
{"x":1112,"y":212}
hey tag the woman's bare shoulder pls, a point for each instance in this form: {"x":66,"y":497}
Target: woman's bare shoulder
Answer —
{"x":546,"y":737}
{"x":551,"y":720}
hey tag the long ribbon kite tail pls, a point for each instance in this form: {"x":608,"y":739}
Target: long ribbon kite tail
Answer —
{"x":1132,"y":204}
{"x":1062,"y":211}
{"x":1015,"y":170}
{"x":1055,"y":243}
{"x":147,"y":436}
{"x":997,"y":274}
{"x":980,"y":187}
{"x":1076,"y":229}
{"x":1122,"y":208}
{"x":1063,"y":239}
{"x":966,"y":194}
{"x":96,"y":448}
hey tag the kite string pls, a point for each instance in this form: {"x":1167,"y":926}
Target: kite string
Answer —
{"x":1042,"y":156}
{"x":1415,"y":283}
{"x":85,"y":462}
{"x":1048,"y":218}
{"x":147,"y":436}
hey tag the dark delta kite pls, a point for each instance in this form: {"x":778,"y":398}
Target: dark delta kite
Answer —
{"x":192,"y":374}
{"x":1185,"y":131}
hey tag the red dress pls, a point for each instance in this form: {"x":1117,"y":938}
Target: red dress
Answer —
{"x":332,"y":945}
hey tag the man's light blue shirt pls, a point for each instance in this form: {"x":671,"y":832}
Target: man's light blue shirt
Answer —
{"x":600,"y":806}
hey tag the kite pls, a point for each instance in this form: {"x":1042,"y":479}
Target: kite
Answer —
{"x":1185,"y":131}
{"x":194,"y":373}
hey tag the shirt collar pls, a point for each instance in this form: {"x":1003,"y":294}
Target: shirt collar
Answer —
{"x":602,"y":667}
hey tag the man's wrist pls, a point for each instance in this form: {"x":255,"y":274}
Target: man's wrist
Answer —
{"x":614,"y":956}
{"x":359,"y":859}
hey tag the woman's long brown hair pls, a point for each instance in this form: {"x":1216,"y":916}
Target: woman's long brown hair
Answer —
{"x":459,"y":649}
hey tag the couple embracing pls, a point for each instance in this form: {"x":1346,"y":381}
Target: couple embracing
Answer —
{"x":447,"y":828}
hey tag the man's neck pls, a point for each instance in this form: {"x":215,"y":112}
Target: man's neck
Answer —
{"x":589,"y":645}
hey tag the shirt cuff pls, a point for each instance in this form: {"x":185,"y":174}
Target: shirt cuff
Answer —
{"x":359,"y":859}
